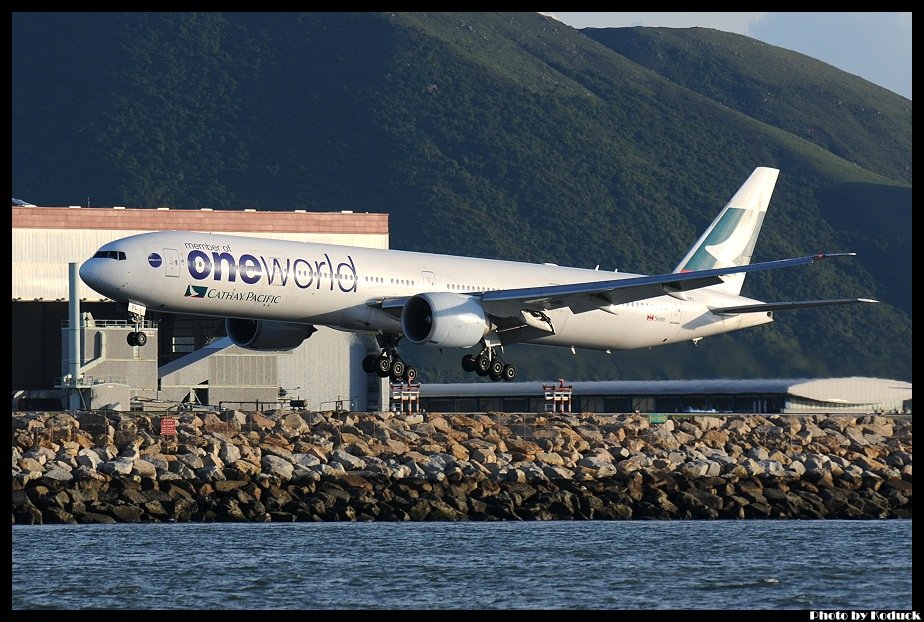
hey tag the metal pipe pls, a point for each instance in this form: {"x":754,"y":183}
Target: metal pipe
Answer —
{"x":73,"y":336}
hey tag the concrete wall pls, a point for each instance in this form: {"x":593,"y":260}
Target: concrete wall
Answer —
{"x":107,"y":358}
{"x":111,"y":396}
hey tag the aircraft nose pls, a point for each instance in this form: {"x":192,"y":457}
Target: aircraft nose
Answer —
{"x":88,"y":271}
{"x":94,"y":274}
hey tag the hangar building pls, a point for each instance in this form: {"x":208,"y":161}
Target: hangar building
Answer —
{"x":188,"y":359}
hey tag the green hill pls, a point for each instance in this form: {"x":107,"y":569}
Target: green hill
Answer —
{"x":500,"y":135}
{"x":842,"y":113}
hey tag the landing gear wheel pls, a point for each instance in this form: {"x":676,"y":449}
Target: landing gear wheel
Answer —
{"x":131,"y":339}
{"x":487,"y":363}
{"x":387,"y":363}
{"x":397,"y":370}
{"x":141,"y":338}
{"x":369,"y":364}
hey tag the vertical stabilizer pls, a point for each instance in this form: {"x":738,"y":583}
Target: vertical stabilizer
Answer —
{"x":730,"y":239}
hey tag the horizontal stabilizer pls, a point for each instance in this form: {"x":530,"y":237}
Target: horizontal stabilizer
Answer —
{"x":782,"y":306}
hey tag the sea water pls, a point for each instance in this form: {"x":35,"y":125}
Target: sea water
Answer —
{"x":687,"y":564}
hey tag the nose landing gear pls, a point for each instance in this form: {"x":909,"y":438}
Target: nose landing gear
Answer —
{"x":137,"y":337}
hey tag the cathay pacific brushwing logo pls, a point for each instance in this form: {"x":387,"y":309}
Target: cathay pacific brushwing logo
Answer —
{"x":196,"y":291}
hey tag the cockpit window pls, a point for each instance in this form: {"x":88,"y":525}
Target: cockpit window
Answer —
{"x":118,"y":255}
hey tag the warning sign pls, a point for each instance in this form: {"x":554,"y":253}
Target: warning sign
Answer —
{"x":168,"y":426}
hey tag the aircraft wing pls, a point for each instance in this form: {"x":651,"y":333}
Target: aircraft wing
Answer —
{"x":780,"y":306}
{"x":582,"y":297}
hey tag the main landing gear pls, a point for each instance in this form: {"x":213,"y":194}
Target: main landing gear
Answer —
{"x":489,"y":364}
{"x":388,"y":364}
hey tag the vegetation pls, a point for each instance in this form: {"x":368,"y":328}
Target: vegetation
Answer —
{"x":499,"y":135}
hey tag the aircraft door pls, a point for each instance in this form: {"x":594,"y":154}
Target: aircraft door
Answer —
{"x":172,"y":262}
{"x":675,"y":316}
{"x":675,"y":312}
{"x":428,"y":279}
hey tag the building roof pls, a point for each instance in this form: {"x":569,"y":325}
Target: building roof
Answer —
{"x":831,"y":390}
{"x":225,"y":221}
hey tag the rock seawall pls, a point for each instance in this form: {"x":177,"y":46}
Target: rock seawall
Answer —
{"x":106,"y":467}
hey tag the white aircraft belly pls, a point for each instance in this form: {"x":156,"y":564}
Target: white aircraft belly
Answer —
{"x":630,"y":327}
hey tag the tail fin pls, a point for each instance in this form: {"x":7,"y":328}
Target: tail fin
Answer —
{"x":730,"y":239}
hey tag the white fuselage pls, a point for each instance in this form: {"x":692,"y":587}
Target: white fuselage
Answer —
{"x":256,"y":278}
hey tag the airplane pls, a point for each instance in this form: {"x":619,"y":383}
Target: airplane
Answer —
{"x":272,"y":293}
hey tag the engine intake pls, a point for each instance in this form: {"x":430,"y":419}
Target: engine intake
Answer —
{"x":444,"y":319}
{"x":267,"y":334}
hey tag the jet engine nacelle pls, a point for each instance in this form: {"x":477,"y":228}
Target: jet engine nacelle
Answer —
{"x":267,"y":334}
{"x":444,"y":319}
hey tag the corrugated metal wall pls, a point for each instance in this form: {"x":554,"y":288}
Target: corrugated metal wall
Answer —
{"x":323,"y":370}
